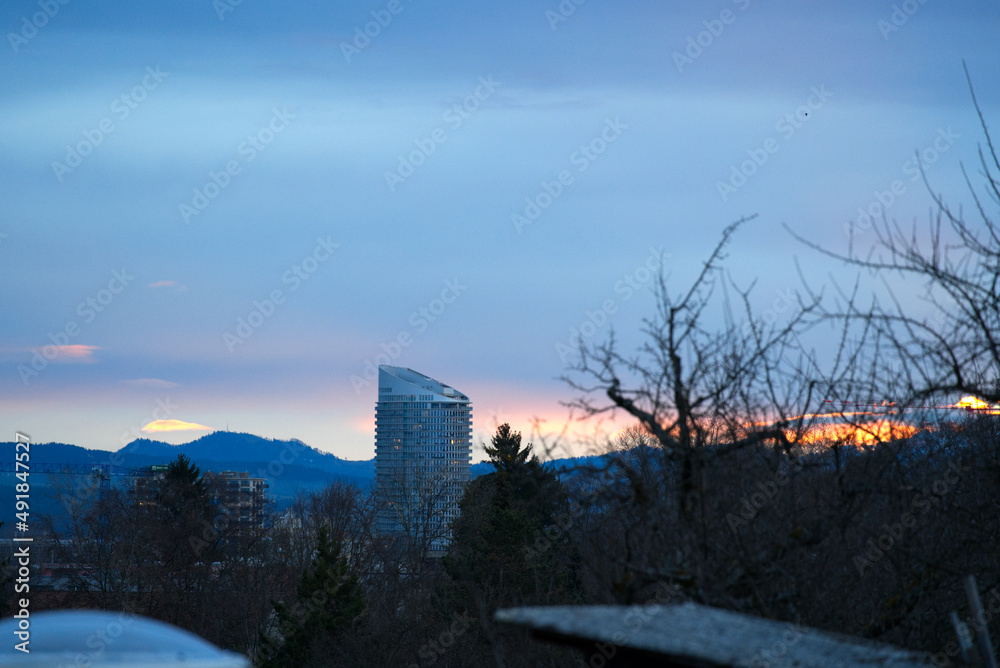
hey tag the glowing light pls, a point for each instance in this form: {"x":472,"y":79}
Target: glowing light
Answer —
{"x":813,"y":416}
{"x":865,"y":433}
{"x":174,"y":425}
{"x":974,"y":403}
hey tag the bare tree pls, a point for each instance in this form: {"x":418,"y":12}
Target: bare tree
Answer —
{"x":944,"y":342}
{"x":414,"y":499}
{"x":762,"y":491}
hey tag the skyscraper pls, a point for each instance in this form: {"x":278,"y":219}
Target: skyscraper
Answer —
{"x":423,"y":450}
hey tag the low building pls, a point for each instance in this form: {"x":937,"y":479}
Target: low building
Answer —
{"x":241,"y":498}
{"x":237,"y":496}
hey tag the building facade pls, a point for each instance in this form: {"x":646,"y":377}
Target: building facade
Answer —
{"x":423,"y":451}
{"x":242,"y":500}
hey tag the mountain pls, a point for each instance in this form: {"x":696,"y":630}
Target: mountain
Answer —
{"x":269,"y":455}
{"x":289,"y":466}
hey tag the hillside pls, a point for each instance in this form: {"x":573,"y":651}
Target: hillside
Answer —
{"x":289,"y":466}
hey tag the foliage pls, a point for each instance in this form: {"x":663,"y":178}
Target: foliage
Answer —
{"x":492,"y":557}
{"x":327,"y":606}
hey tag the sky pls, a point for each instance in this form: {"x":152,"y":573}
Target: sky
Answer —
{"x":226,"y":214}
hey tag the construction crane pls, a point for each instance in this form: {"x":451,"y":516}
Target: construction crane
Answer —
{"x":104,"y":471}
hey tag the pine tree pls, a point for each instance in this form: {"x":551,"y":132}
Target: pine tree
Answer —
{"x":327,"y":606}
{"x":183,"y":489}
{"x":503,"y":515}
{"x":179,"y":562}
{"x":506,"y":453}
{"x":494,"y":562}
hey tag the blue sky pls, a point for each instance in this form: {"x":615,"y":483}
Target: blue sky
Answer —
{"x":262,"y":163}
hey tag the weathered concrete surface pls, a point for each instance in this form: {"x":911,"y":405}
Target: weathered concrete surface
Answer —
{"x":699,"y":636}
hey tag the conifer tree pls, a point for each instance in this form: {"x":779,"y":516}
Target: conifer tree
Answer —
{"x":493,"y":559}
{"x":327,"y":607}
{"x":503,"y":514}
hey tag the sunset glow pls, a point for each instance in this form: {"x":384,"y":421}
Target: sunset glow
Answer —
{"x":865,"y":433}
{"x":976,"y":404}
{"x":174,"y":425}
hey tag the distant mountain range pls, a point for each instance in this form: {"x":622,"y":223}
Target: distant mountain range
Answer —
{"x":290,"y":466}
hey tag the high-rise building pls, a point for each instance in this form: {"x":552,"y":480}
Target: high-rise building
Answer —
{"x":423,"y":450}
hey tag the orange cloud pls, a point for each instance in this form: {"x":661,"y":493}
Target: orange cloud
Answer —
{"x":174,"y":425}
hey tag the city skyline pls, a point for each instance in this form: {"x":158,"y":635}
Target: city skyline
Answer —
{"x":224,"y":216}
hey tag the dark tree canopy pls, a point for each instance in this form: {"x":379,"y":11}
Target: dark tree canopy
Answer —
{"x":506,"y":453}
{"x":183,"y":488}
{"x":327,"y":606}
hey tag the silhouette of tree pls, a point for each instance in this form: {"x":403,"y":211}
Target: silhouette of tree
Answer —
{"x":325,"y":613}
{"x":505,"y":451}
{"x":492,"y":557}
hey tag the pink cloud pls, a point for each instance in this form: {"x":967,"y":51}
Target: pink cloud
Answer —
{"x":72,"y":354}
{"x":173,"y":286}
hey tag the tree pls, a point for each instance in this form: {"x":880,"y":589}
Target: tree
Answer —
{"x":502,"y":513}
{"x":178,"y":517}
{"x":413,"y":499}
{"x":709,"y":394}
{"x":327,"y":607}
{"x":505,"y":451}
{"x":494,"y":556}
{"x":751,"y":502}
{"x":944,"y":342}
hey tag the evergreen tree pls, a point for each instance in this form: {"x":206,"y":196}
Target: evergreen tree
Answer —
{"x":179,"y":561}
{"x":506,"y":453}
{"x":503,"y":514}
{"x":519,"y":483}
{"x":494,"y":558}
{"x":327,"y":606}
{"x":183,"y":490}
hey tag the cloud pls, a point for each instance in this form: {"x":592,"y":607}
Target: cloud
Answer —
{"x":69,"y":354}
{"x":174,"y":425}
{"x":149,"y":382}
{"x":166,"y":284}
{"x":74,"y":354}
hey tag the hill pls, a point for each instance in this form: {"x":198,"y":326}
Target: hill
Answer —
{"x":289,"y":466}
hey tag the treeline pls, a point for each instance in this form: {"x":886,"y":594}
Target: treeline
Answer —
{"x":869,"y":541}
